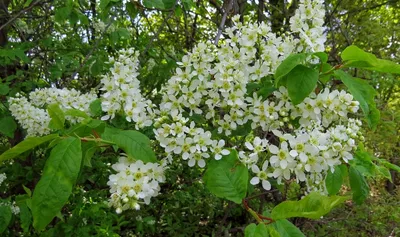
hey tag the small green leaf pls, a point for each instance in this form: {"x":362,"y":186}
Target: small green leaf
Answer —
{"x":97,"y":67}
{"x":27,"y":190}
{"x":334,"y":181}
{"x":300,"y":82}
{"x":95,"y":108}
{"x":27,"y":3}
{"x":322,"y":56}
{"x":313,"y":206}
{"x":57,"y":117}
{"x":254,"y":230}
{"x":25,"y":216}
{"x":358,"y":185}
{"x":154,"y":4}
{"x":385,"y":172}
{"x":134,"y":143}
{"x":5,"y":217}
{"x":288,"y":65}
{"x":8,"y":126}
{"x":26,"y":145}
{"x":364,"y":94}
{"x":286,"y":229}
{"x":58,"y":178}
{"x":4,"y":89}
{"x":227,"y":178}
{"x":76,"y":113}
{"x":356,"y":57}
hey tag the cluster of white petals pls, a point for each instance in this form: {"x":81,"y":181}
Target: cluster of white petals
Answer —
{"x":308,"y":22}
{"x":13,"y":206}
{"x":34,"y":118}
{"x":287,"y":141}
{"x":122,"y":91}
{"x":65,"y":98}
{"x":134,"y":183}
{"x":2,"y":178}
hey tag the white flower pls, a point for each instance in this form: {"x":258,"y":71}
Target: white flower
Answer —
{"x":261,"y":175}
{"x":217,"y":148}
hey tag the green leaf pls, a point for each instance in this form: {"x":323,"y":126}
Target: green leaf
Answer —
{"x":362,"y":161}
{"x":5,"y":217}
{"x":385,"y":172}
{"x":313,"y":206}
{"x":27,"y":3}
{"x":288,"y":65}
{"x":57,"y":117}
{"x":123,"y":33}
{"x":25,"y":217}
{"x":356,"y":57}
{"x":76,"y":113}
{"x":358,"y":185}
{"x":4,"y":89}
{"x":334,"y":181}
{"x":95,"y":108}
{"x":26,"y":145}
{"x":322,"y":56}
{"x":227,"y":178}
{"x":254,"y":230}
{"x":300,"y":82}
{"x":58,"y":178}
{"x":249,"y":230}
{"x":97,"y":67}
{"x":363,"y":93}
{"x":88,"y":150}
{"x":266,"y":89}
{"x":286,"y":229}
{"x":134,"y":143}
{"x":154,"y":4}
{"x":389,"y":165}
{"x":8,"y":126}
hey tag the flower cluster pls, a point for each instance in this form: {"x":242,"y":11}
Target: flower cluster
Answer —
{"x":2,"y":178}
{"x":308,"y":22}
{"x":65,"y":98}
{"x":32,"y":116}
{"x":34,"y":120}
{"x":134,"y":183}
{"x":122,"y":91}
{"x":13,"y":206}
{"x":287,"y":141}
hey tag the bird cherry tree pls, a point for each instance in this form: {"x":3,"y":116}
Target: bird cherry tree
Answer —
{"x":254,"y":112}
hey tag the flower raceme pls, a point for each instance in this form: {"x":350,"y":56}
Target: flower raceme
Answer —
{"x":207,"y":102}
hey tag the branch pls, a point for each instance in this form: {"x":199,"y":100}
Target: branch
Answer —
{"x":221,"y":26}
{"x":96,"y":45}
{"x":161,"y":27}
{"x":19,"y":13}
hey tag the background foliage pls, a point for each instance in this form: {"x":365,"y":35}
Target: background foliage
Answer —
{"x":66,"y":44}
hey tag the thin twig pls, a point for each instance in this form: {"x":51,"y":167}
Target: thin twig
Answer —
{"x":96,"y":45}
{"x":19,"y":13}
{"x":161,"y":27}
{"x":222,"y":24}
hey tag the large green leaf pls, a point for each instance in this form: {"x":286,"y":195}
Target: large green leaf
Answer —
{"x":287,"y":65}
{"x":26,"y":145}
{"x":154,"y":4}
{"x":254,"y":230}
{"x":334,"y":181}
{"x":58,"y":178}
{"x":227,"y":178}
{"x":356,"y":57}
{"x":134,"y":143}
{"x":363,"y":93}
{"x":313,"y":206}
{"x":358,"y":185}
{"x":57,"y":116}
{"x":300,"y":82}
{"x":5,"y":217}
{"x":286,"y":229}
{"x":8,"y":126}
